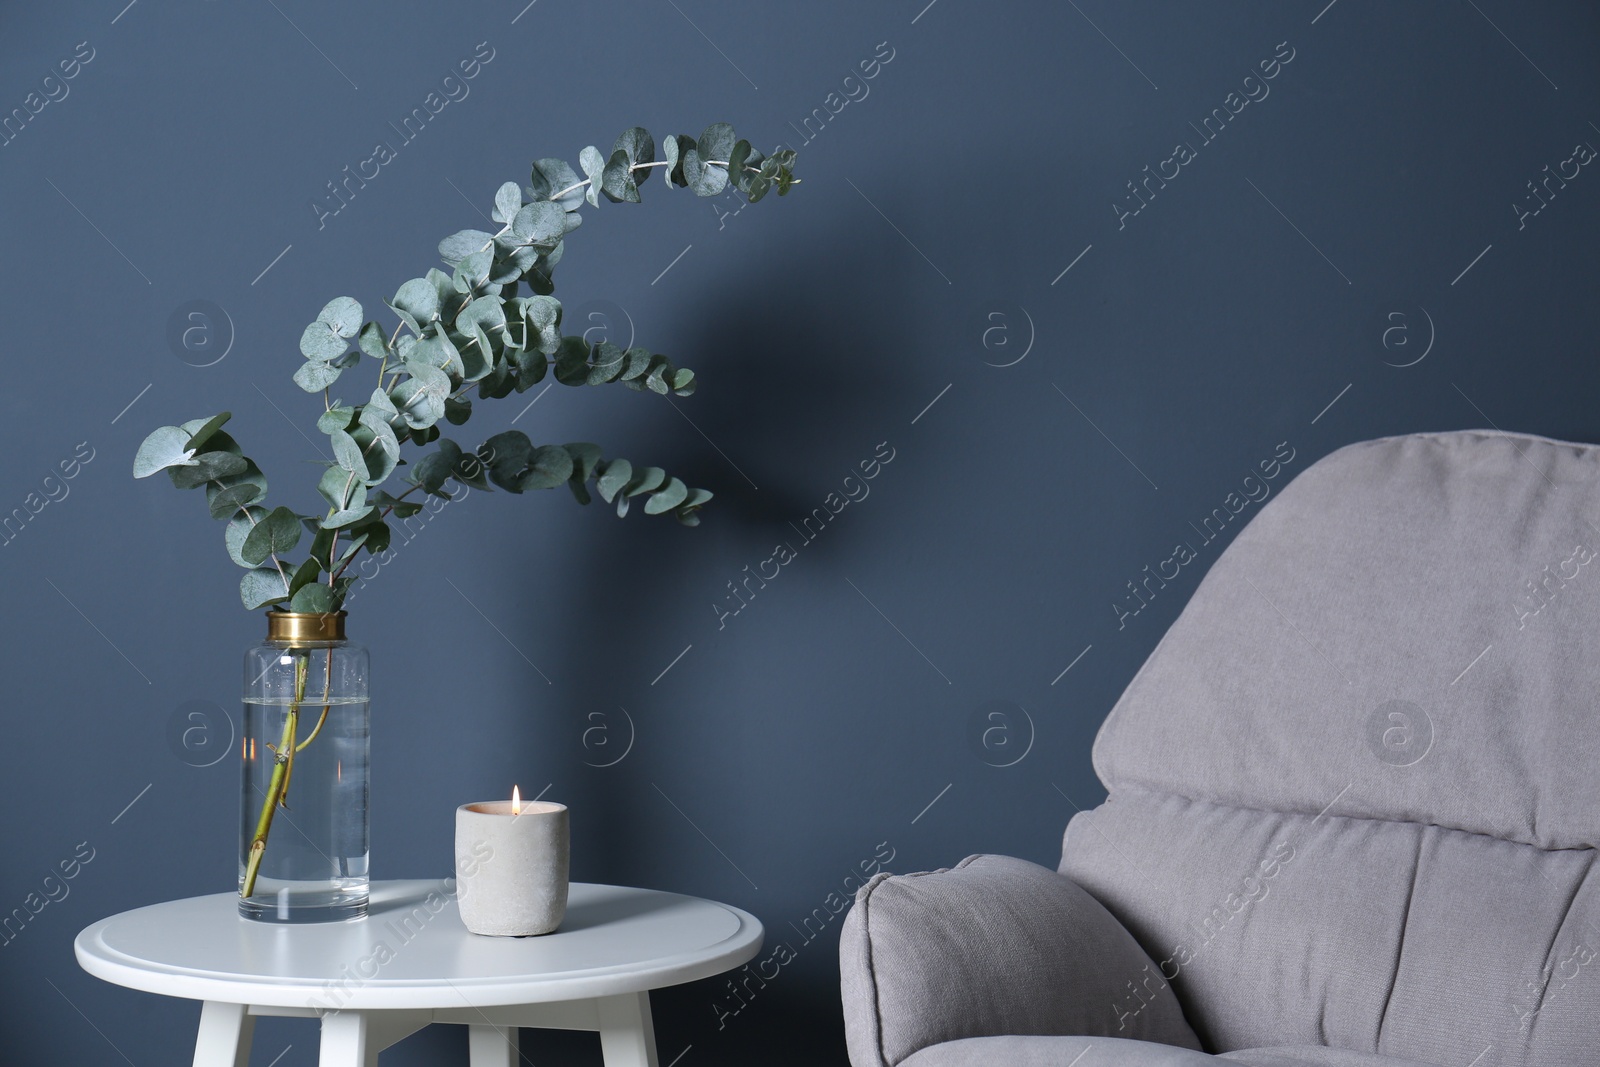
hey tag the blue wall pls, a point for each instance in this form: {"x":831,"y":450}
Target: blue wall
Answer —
{"x":1068,"y":372}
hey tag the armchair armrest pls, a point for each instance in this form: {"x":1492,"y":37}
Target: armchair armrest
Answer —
{"x":990,"y":947}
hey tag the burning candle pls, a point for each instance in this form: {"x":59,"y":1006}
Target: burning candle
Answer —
{"x":511,"y":866}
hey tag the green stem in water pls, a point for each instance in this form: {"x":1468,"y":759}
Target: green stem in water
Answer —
{"x":327,"y":703}
{"x":280,"y":781}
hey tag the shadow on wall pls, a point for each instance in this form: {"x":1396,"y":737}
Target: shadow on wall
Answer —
{"x":783,"y":399}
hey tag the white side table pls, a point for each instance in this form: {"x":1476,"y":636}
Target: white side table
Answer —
{"x":410,"y":962}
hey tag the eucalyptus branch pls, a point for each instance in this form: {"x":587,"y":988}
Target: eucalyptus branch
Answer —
{"x":472,"y":330}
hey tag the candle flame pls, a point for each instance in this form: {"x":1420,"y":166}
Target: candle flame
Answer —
{"x":516,"y":801}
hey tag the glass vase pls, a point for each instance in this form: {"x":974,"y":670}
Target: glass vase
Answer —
{"x":306,"y":752}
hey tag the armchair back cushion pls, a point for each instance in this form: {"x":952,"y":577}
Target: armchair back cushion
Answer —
{"x":1353,"y":793}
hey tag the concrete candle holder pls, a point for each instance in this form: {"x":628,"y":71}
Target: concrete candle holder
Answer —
{"x":511,"y":868}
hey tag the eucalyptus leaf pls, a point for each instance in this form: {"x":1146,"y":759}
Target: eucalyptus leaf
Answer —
{"x":657,"y":378}
{"x":380,"y":451}
{"x":572,"y":361}
{"x":675,"y":147}
{"x":258,"y":588}
{"x":507,"y":201}
{"x":530,"y":369}
{"x":510,"y":264}
{"x":372,"y":341}
{"x":594,"y":165}
{"x":585,"y":457}
{"x":380,"y":409}
{"x":402,"y":509}
{"x":463,"y":243}
{"x":319,"y":341}
{"x":669,"y":497}
{"x":167,"y":446}
{"x":507,"y":455}
{"x":473,"y":271}
{"x":749,"y":168}
{"x":477,"y":360}
{"x":314,"y":600}
{"x":646,"y":480}
{"x":637,"y":146}
{"x":615,"y":478}
{"x":551,"y":466}
{"x":420,"y":399}
{"x":343,"y":316}
{"x":618,"y":180}
{"x":540,"y":224}
{"x":435,"y":350}
{"x":230,"y":494}
{"x":375,"y":533}
{"x":417,"y":301}
{"x":705,"y":178}
{"x":314,"y":376}
{"x":553,"y":179}
{"x":215,"y":441}
{"x":432,"y":470}
{"x":355,"y":540}
{"x":542,"y":314}
{"x":238,"y":529}
{"x":303,"y":576}
{"x":669,"y":156}
{"x":207,"y":467}
{"x":738,"y":158}
{"x":336,"y":418}
{"x":608,"y":361}
{"x":342,"y":489}
{"x":322,"y":548}
{"x":348,"y":453}
{"x":717,"y":142}
{"x":344,"y":518}
{"x":638,"y":363}
{"x":486,"y":311}
{"x":273,"y":535}
{"x":206,"y":430}
{"x":470,"y":470}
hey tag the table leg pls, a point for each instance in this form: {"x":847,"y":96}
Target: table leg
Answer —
{"x":354,"y":1038}
{"x":627,"y":1036}
{"x":345,"y":1041}
{"x":492,"y":1046}
{"x":224,"y":1038}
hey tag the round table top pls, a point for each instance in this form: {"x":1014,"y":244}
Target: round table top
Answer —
{"x":411,"y":951}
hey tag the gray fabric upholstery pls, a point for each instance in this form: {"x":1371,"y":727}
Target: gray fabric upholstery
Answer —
{"x":1353,"y":812}
{"x":1104,"y":1052}
{"x":1313,"y":1056}
{"x":1057,"y":1052}
{"x":991,"y":946}
{"x":1378,"y":575}
{"x":1440,"y":900}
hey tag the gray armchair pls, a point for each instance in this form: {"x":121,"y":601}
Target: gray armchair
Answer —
{"x":1352,"y":812}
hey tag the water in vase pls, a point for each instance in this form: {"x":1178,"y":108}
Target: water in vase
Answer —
{"x":314,"y":865}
